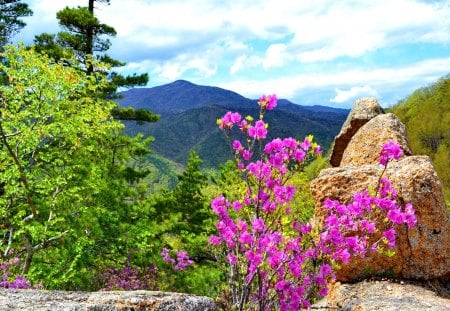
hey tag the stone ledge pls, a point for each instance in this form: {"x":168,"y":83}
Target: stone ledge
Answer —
{"x":19,"y":299}
{"x":383,"y":295}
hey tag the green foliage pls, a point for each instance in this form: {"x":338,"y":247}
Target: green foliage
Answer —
{"x":10,"y":23}
{"x":179,"y":219}
{"x":140,"y":115}
{"x":50,"y":132}
{"x":313,"y":169}
{"x":67,"y":187}
{"x":426,"y":115}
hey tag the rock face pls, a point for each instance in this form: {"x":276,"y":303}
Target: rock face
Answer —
{"x":366,"y":143}
{"x":19,"y":299}
{"x":364,"y":110}
{"x":382,"y":295}
{"x":422,"y":252}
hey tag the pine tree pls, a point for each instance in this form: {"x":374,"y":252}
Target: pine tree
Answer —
{"x":86,"y":37}
{"x":10,"y":22}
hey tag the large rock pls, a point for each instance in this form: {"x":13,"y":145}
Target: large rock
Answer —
{"x":365,"y":145}
{"x":364,"y":110}
{"x":382,"y":295}
{"x":19,"y":299}
{"x":422,"y":252}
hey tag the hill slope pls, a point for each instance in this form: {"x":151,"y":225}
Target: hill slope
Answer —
{"x":426,"y":115}
{"x":189,"y":113}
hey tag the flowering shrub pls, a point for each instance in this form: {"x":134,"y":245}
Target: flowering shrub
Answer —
{"x":274,"y":261}
{"x":5,"y":280}
{"x":182,"y":262}
{"x":129,"y":278}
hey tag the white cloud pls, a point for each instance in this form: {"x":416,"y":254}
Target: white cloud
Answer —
{"x":245,"y":62}
{"x":276,"y":56}
{"x":238,"y":64}
{"x":300,"y":42}
{"x":291,"y":87}
{"x":348,"y":28}
{"x":318,"y":30}
{"x":355,"y":91}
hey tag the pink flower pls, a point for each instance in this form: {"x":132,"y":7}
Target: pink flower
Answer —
{"x":268,"y":102}
{"x":274,"y":145}
{"x":246,"y":155}
{"x":237,"y":206}
{"x":395,"y":215}
{"x":231,"y":258}
{"x":259,"y":131}
{"x":410,"y":216}
{"x":237,"y":145}
{"x":258,"y":225}
{"x":390,"y":236}
{"x":390,"y":150}
{"x":306,"y":144}
{"x":215,"y":240}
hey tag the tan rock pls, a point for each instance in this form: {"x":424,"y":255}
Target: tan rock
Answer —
{"x":422,"y":252}
{"x":365,"y":145}
{"x":383,"y":295}
{"x":364,"y":110}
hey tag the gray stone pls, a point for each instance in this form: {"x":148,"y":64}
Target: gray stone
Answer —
{"x":19,"y":299}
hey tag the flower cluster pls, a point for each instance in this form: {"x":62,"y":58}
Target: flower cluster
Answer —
{"x":390,"y":150}
{"x":274,"y":261}
{"x":19,"y":282}
{"x":129,"y":278}
{"x":182,"y":262}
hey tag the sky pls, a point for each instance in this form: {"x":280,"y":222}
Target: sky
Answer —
{"x":323,"y":52}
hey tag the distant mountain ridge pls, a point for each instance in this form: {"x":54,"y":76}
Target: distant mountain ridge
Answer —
{"x":180,"y":96}
{"x":189,"y":113}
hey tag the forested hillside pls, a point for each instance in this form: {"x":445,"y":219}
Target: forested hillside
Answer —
{"x":188,"y":114}
{"x":426,"y":114}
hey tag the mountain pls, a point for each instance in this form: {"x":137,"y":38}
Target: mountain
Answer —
{"x":189,"y":113}
{"x":180,"y":96}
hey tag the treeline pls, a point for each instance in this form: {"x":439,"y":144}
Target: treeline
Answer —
{"x":426,"y":114}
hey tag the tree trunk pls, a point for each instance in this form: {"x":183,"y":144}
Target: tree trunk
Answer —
{"x":90,"y":39}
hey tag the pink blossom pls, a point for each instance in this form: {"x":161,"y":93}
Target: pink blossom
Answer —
{"x":246,"y":155}
{"x":215,"y":240}
{"x":237,"y":145}
{"x":390,"y":150}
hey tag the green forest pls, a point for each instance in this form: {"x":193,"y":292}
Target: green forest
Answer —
{"x":426,"y":115}
{"x":85,"y":206}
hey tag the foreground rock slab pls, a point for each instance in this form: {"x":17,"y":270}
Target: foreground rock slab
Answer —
{"x":19,"y":299}
{"x":382,"y":295}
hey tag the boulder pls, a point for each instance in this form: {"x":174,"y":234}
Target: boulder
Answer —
{"x":422,"y":252}
{"x":383,"y":295}
{"x":20,"y":299}
{"x":364,"y":110}
{"x":365,"y":145}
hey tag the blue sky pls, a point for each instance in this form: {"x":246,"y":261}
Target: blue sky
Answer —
{"x":325,"y":52}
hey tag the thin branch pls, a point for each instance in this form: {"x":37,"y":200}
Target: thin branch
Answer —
{"x":23,"y":177}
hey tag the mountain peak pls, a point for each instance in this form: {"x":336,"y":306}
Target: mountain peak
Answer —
{"x":181,"y":83}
